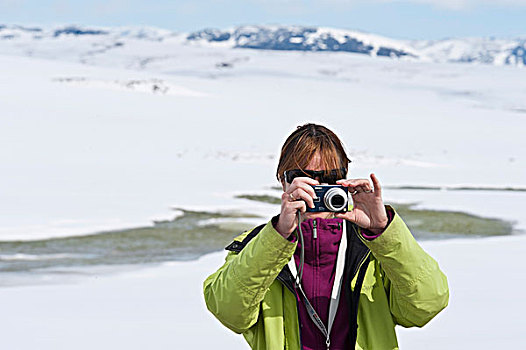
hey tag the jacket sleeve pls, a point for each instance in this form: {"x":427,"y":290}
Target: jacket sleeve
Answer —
{"x":417,"y":288}
{"x":234,"y":292}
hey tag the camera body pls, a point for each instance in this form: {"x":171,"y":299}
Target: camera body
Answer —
{"x":333,"y":198}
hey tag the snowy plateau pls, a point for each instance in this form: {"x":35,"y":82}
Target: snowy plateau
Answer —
{"x":103,"y":129}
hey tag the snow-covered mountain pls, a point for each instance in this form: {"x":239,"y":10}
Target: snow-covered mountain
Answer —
{"x":18,"y":32}
{"x":84,"y":42}
{"x":299,"y":38}
{"x":481,"y":50}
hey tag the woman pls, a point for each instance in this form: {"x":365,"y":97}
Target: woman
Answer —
{"x":336,"y":281}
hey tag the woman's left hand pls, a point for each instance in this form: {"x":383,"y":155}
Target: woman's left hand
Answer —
{"x":368,"y":207}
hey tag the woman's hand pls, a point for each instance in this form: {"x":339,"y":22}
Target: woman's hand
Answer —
{"x":368,"y":207}
{"x":296,"y":197}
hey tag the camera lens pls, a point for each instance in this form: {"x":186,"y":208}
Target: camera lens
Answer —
{"x":336,"y":199}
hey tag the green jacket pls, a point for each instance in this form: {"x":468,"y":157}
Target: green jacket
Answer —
{"x":402,"y":285}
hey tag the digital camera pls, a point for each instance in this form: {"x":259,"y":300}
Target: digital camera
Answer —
{"x":330,"y":198}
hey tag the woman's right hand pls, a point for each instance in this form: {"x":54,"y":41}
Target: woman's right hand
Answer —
{"x":296,"y":197}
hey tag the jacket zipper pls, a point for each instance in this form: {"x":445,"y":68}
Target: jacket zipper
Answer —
{"x":314,"y":230}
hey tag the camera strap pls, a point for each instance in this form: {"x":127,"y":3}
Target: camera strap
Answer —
{"x":336,"y":289}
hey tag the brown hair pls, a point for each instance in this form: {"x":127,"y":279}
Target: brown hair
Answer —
{"x":301,"y":146}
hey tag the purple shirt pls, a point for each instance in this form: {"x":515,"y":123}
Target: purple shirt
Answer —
{"x":318,"y":278}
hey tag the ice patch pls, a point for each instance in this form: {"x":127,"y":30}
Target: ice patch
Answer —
{"x":35,"y":257}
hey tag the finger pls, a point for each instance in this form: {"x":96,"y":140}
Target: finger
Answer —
{"x":364,"y":185}
{"x":306,"y":180}
{"x":308,"y":189}
{"x":353,"y":182}
{"x":304,"y":187}
{"x":285,"y":197}
{"x":376,"y":184}
{"x":364,"y":188}
{"x":345,"y":182}
{"x":300,"y":193}
{"x":354,"y":190}
{"x":293,"y":205}
{"x":298,"y":205}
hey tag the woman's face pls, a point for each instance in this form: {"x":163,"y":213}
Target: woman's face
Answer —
{"x":314,"y":164}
